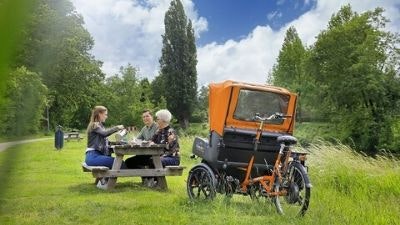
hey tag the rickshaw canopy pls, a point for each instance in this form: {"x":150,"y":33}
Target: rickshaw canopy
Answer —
{"x":233,"y":104}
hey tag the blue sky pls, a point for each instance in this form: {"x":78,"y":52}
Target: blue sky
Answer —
{"x":236,"y":39}
{"x":234,"y":19}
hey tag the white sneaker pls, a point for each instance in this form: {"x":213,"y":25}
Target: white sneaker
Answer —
{"x":102,"y":183}
{"x":150,"y":182}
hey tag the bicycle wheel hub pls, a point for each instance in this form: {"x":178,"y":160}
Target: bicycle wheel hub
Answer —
{"x":293,"y":193}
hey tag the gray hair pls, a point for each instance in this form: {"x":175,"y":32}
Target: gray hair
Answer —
{"x":164,"y":115}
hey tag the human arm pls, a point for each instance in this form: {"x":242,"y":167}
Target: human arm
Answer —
{"x":140,"y":135}
{"x":172,"y":147}
{"x":106,"y":132}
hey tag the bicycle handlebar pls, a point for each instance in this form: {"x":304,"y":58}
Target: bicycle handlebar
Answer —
{"x":276,"y":115}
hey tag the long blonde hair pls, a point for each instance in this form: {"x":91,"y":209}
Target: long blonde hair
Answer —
{"x":94,"y":118}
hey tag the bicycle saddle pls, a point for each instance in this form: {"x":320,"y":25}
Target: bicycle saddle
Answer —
{"x":287,"y":140}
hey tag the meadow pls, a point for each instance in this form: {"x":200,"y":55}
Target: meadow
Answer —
{"x":43,"y":186}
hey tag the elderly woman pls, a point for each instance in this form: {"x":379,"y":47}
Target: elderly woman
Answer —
{"x":167,"y":135}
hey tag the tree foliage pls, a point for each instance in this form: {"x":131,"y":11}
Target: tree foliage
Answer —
{"x":26,"y":95}
{"x":352,"y":74}
{"x":288,"y":69}
{"x":289,"y":72}
{"x":200,"y":113}
{"x":126,"y":96}
{"x":54,"y":49}
{"x":178,"y":64}
{"x":57,"y":47}
{"x":351,"y":66}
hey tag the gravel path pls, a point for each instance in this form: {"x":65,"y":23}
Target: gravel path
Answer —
{"x":6,"y":145}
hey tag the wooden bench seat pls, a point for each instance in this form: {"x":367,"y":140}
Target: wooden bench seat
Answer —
{"x":103,"y":171}
{"x":175,"y":170}
{"x":87,"y":168}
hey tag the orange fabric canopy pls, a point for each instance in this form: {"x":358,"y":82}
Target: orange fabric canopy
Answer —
{"x":222,"y":103}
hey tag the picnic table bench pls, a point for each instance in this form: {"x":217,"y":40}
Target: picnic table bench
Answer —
{"x":72,"y":135}
{"x":107,"y":178}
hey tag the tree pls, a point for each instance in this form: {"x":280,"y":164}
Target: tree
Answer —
{"x":126,"y":96}
{"x":26,"y":96}
{"x":178,"y":63}
{"x":57,"y":47}
{"x":200,"y":113}
{"x":123,"y":94}
{"x":13,"y":16}
{"x":288,"y":72}
{"x":351,"y":65}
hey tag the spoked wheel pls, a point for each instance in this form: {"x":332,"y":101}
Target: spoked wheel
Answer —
{"x":296,"y":201}
{"x":201,"y":184}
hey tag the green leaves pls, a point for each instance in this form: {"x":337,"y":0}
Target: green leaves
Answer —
{"x":26,"y":96}
{"x":347,"y":76}
{"x":177,"y":81}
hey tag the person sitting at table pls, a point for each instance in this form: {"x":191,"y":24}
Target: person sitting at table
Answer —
{"x":167,"y":135}
{"x":145,"y":134}
{"x":97,"y":151}
{"x":164,"y":135}
{"x":150,"y":127}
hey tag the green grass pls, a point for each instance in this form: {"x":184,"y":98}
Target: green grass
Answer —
{"x":43,"y":186}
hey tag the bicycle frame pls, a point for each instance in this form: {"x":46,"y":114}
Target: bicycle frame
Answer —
{"x":266,"y":181}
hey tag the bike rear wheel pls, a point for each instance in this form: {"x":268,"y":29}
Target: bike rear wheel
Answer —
{"x":296,"y":201}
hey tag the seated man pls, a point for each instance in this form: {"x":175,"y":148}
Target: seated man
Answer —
{"x":146,"y":134}
{"x":150,"y":128}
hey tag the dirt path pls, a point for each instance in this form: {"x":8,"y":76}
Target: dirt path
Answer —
{"x":6,"y":145}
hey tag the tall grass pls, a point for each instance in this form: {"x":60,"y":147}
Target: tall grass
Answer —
{"x":353,"y":188}
{"x":44,"y":186}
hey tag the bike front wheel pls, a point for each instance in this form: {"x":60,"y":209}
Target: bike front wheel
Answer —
{"x":201,"y":184}
{"x":298,"y":190}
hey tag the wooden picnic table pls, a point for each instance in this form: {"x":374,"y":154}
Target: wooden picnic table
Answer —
{"x":155,"y":151}
{"x":72,"y":135}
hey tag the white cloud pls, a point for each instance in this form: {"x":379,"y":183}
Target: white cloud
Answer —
{"x":251,"y":58}
{"x":130,"y":31}
{"x":273,"y":15}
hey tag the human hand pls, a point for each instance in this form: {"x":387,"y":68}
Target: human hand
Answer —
{"x":171,"y":138}
{"x":120,"y":127}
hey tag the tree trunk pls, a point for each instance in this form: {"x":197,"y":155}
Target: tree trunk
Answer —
{"x":184,"y":123}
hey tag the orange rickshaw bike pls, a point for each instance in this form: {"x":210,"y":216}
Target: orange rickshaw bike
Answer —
{"x":250,"y":148}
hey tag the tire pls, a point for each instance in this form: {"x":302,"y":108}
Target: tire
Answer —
{"x":201,"y":183}
{"x":298,"y":187}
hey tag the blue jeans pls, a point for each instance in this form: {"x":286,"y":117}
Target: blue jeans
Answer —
{"x":96,"y":158}
{"x":169,"y":161}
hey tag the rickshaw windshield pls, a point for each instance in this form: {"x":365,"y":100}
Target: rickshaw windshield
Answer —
{"x":251,"y":102}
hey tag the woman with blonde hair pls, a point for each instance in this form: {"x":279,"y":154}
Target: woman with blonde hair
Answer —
{"x":97,"y":152}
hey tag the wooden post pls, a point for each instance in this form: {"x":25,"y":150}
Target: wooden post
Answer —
{"x":161,"y":181}
{"x":110,"y":184}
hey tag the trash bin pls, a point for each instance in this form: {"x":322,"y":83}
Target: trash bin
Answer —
{"x":59,"y":138}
